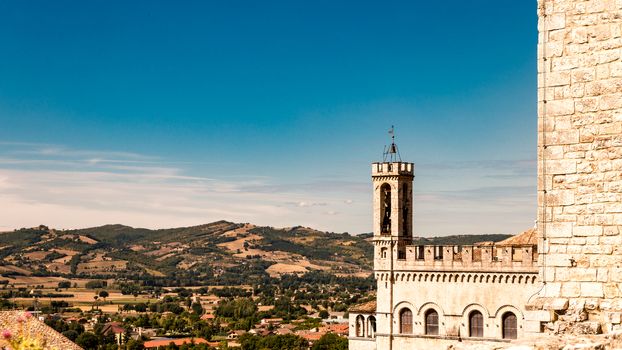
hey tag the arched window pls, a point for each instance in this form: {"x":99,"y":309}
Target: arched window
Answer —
{"x":405,"y":228}
{"x":406,"y":321}
{"x":383,"y":253}
{"x":385,"y":208}
{"x":371,"y":327}
{"x":476,"y":324}
{"x":360,"y":326}
{"x":431,"y":322}
{"x":509,"y":326}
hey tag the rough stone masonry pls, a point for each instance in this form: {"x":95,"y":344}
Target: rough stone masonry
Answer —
{"x":580,"y":160}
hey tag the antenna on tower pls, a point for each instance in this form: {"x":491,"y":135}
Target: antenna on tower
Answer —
{"x":391,"y":153}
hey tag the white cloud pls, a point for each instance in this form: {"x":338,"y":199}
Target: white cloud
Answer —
{"x":66,"y":188}
{"x":306,"y":204}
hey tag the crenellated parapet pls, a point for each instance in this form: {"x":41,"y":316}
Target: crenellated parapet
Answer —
{"x":485,"y":258}
{"x":392,"y":169}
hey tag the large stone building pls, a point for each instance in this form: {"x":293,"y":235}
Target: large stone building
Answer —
{"x":569,"y":278}
{"x":435,"y":295}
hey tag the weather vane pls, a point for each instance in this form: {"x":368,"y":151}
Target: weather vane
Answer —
{"x":391,"y":153}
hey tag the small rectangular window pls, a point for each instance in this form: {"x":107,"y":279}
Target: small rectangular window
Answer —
{"x":401,"y":254}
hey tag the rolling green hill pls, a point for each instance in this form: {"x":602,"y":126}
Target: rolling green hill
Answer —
{"x":217,"y":253}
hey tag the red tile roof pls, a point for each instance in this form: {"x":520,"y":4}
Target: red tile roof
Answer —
{"x":528,"y":237}
{"x":366,"y":308}
{"x":180,"y":341}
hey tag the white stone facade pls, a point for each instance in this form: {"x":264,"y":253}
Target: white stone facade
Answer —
{"x":454,"y":282}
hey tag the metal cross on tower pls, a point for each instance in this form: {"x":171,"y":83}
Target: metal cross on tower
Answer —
{"x":391,"y":153}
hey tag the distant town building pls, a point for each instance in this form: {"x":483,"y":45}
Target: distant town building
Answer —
{"x":115,"y":329}
{"x":163,"y":343}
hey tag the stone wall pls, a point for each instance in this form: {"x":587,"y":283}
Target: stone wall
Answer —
{"x":467,"y":258}
{"x":453,"y":299}
{"x":580,"y":152}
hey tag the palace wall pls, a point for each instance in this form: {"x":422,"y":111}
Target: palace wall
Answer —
{"x":580,"y":153}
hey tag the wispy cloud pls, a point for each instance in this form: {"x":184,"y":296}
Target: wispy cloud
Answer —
{"x":304,"y":204}
{"x":63,"y":187}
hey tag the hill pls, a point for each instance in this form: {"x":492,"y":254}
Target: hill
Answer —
{"x":217,"y":253}
{"x":221,"y":252}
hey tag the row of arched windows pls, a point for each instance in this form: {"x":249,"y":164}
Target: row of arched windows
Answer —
{"x":365,"y":328}
{"x":431,"y":322}
{"x":476,"y":323}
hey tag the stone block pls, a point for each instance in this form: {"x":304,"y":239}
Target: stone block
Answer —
{"x":611,"y":290}
{"x":609,"y":56}
{"x":614,"y":208}
{"x":592,"y":290}
{"x":563,"y":166}
{"x":532,"y":327}
{"x":589,"y":327}
{"x":613,"y":317}
{"x":602,"y":274}
{"x":578,"y":35}
{"x":556,"y":304}
{"x":582,"y":231}
{"x":581,"y":274}
{"x":539,"y":315}
{"x":583,"y":75}
{"x":602,"y":72}
{"x":615,"y":69}
{"x":560,"y":197}
{"x":610,"y":240}
{"x":587,"y":104}
{"x":611,"y":305}
{"x":571,"y":289}
{"x":596,"y":6}
{"x":612,"y":101}
{"x":555,"y":21}
{"x":615,"y":274}
{"x":566,"y":106}
{"x":559,"y":229}
{"x":558,"y":78}
{"x":598,"y":249}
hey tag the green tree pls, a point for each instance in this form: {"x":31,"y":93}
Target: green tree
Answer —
{"x":330,"y":341}
{"x":87,"y":340}
{"x":273,"y":342}
{"x":133,"y":344}
{"x":71,"y":334}
{"x":197,"y":308}
{"x":103,"y":294}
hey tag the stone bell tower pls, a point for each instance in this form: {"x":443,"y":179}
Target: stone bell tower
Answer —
{"x":392,"y":182}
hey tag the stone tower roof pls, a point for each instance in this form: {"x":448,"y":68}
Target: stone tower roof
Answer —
{"x":16,"y":323}
{"x":526,"y":238}
{"x":366,"y":308}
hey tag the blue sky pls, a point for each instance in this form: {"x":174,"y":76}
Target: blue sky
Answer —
{"x":166,"y":113}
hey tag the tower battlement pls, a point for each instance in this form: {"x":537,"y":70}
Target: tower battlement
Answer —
{"x":392,"y":168}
